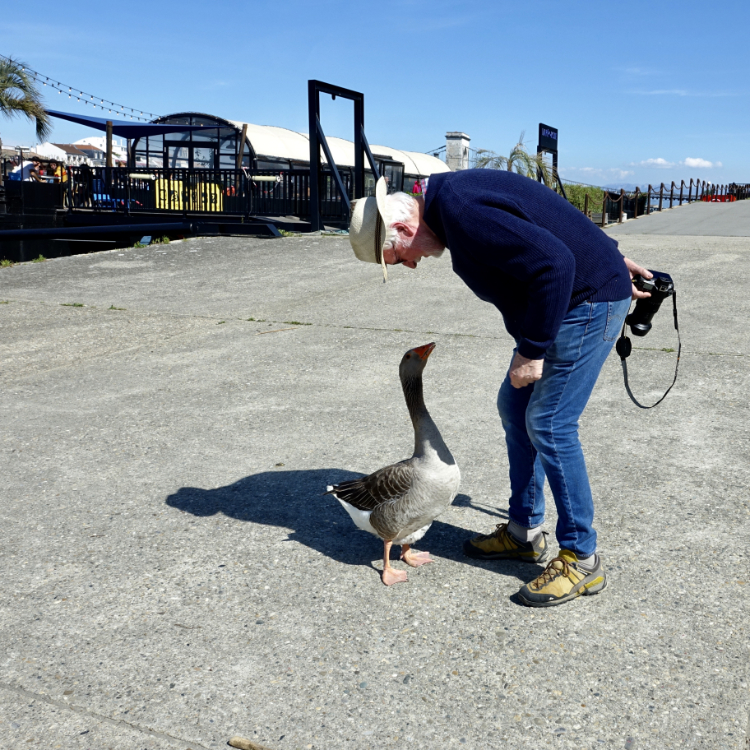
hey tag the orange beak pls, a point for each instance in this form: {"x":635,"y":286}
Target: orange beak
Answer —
{"x":424,"y":351}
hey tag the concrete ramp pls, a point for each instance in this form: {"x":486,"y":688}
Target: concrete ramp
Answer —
{"x":696,"y":220}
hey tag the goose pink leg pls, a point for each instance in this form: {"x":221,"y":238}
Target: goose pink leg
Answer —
{"x":413,"y":558}
{"x":390,"y":575}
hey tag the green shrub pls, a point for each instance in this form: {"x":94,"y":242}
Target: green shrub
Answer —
{"x":577,"y":196}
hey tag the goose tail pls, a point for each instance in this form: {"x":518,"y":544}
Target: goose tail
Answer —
{"x":361,"y":518}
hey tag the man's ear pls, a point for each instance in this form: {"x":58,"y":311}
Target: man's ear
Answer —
{"x":403,"y":229}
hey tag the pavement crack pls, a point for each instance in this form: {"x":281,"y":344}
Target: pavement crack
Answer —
{"x":381,"y":329}
{"x":30,"y":694}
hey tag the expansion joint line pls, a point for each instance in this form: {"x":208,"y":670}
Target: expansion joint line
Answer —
{"x":29,"y":694}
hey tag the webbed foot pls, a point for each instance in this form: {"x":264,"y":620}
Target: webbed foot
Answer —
{"x":390,"y":576}
{"x":413,"y":558}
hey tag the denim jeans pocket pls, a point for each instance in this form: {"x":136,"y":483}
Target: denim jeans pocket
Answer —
{"x":616,"y":312}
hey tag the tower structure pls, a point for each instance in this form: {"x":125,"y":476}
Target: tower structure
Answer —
{"x":457,"y":150}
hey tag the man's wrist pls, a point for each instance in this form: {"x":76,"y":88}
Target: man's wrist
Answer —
{"x":529,"y":351}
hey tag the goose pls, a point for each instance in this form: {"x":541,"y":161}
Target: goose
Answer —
{"x":399,"y":502}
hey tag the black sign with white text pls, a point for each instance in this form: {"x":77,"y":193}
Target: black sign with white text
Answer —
{"x":547,"y":138}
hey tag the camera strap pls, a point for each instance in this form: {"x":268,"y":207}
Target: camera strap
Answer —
{"x":624,"y":348}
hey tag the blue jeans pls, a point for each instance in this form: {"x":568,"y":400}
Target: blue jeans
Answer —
{"x":541,"y":425}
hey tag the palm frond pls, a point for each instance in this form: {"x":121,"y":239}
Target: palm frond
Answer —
{"x":20,"y":97}
{"x":520,"y":161}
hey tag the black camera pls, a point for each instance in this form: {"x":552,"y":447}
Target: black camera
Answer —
{"x":660,"y":286}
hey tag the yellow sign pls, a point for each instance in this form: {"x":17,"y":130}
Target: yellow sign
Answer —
{"x":171,"y":195}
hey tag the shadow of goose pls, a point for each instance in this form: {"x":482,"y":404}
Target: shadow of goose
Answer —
{"x":294,"y":500}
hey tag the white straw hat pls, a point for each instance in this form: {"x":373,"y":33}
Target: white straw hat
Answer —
{"x":367,"y":228}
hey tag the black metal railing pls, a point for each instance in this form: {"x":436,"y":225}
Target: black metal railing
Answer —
{"x":227,"y":191}
{"x":616,"y":207}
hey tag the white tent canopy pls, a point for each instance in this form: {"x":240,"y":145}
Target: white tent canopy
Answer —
{"x":271,"y":142}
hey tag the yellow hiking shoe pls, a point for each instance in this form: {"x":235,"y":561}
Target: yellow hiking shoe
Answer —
{"x":563,"y":580}
{"x":502,"y":545}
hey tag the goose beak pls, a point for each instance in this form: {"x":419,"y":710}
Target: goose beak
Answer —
{"x":424,"y":351}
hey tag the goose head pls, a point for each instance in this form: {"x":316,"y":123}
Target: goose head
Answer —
{"x":414,"y":361}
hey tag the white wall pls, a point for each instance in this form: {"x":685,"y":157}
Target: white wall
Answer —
{"x":50,"y":151}
{"x":119,"y":147}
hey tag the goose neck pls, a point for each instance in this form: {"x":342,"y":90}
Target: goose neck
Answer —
{"x":414,"y":396}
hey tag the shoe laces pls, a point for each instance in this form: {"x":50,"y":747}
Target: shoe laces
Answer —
{"x":552,"y":571}
{"x":500,"y":529}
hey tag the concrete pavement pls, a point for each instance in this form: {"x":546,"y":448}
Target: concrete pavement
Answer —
{"x":692,"y":220}
{"x":174,"y":576}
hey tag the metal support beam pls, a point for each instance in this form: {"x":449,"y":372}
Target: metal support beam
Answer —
{"x":370,"y":158}
{"x":241,"y":150}
{"x":318,"y":140}
{"x":334,"y":168}
{"x":109,"y":143}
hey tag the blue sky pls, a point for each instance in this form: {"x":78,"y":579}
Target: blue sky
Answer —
{"x":640,"y":91}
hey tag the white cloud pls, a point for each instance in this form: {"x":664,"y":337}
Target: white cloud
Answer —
{"x":690,"y":162}
{"x":613,"y":173}
{"x":658,"y":163}
{"x":700,"y":163}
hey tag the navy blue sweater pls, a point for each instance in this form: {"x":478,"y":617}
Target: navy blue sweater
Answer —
{"x":525,"y":249}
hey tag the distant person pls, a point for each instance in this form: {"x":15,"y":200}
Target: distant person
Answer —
{"x":35,"y":175}
{"x":84,"y":186}
{"x":59,"y":173}
{"x":27,"y":171}
{"x":417,"y":189}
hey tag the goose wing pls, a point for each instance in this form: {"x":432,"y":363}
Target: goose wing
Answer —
{"x":382,"y":486}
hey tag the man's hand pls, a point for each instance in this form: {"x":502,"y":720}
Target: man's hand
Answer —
{"x":524,"y":371}
{"x":635,"y":269}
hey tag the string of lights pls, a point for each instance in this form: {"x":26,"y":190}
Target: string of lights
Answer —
{"x":79,"y":95}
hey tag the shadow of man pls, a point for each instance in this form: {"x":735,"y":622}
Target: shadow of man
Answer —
{"x":294,"y":500}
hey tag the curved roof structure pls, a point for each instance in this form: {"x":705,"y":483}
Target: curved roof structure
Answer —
{"x":273,"y":142}
{"x":270,"y":142}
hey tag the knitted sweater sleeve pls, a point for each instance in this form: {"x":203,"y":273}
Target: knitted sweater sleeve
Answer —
{"x":501,"y":238}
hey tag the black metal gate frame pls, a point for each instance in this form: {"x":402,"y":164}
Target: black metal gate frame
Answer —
{"x":318,"y":140}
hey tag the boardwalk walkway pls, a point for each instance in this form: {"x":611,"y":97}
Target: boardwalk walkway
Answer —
{"x":693,"y":220}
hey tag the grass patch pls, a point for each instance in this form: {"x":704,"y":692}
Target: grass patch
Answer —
{"x":295,"y":323}
{"x":72,"y":304}
{"x":161,"y":241}
{"x":577,"y":196}
{"x":220,"y":322}
{"x":140,"y":244}
{"x":112,"y":307}
{"x":287,"y":233}
{"x":5,"y":263}
{"x":668,"y":350}
{"x":40,"y":259}
{"x":4,"y":301}
{"x":256,"y":320}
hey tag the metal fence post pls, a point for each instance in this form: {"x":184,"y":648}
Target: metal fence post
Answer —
{"x":313,"y":105}
{"x":635,"y":210}
{"x":604,"y":210}
{"x":648,"y":202}
{"x":682,"y":182}
{"x":586,"y":204}
{"x":622,"y":204}
{"x":661,"y":196}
